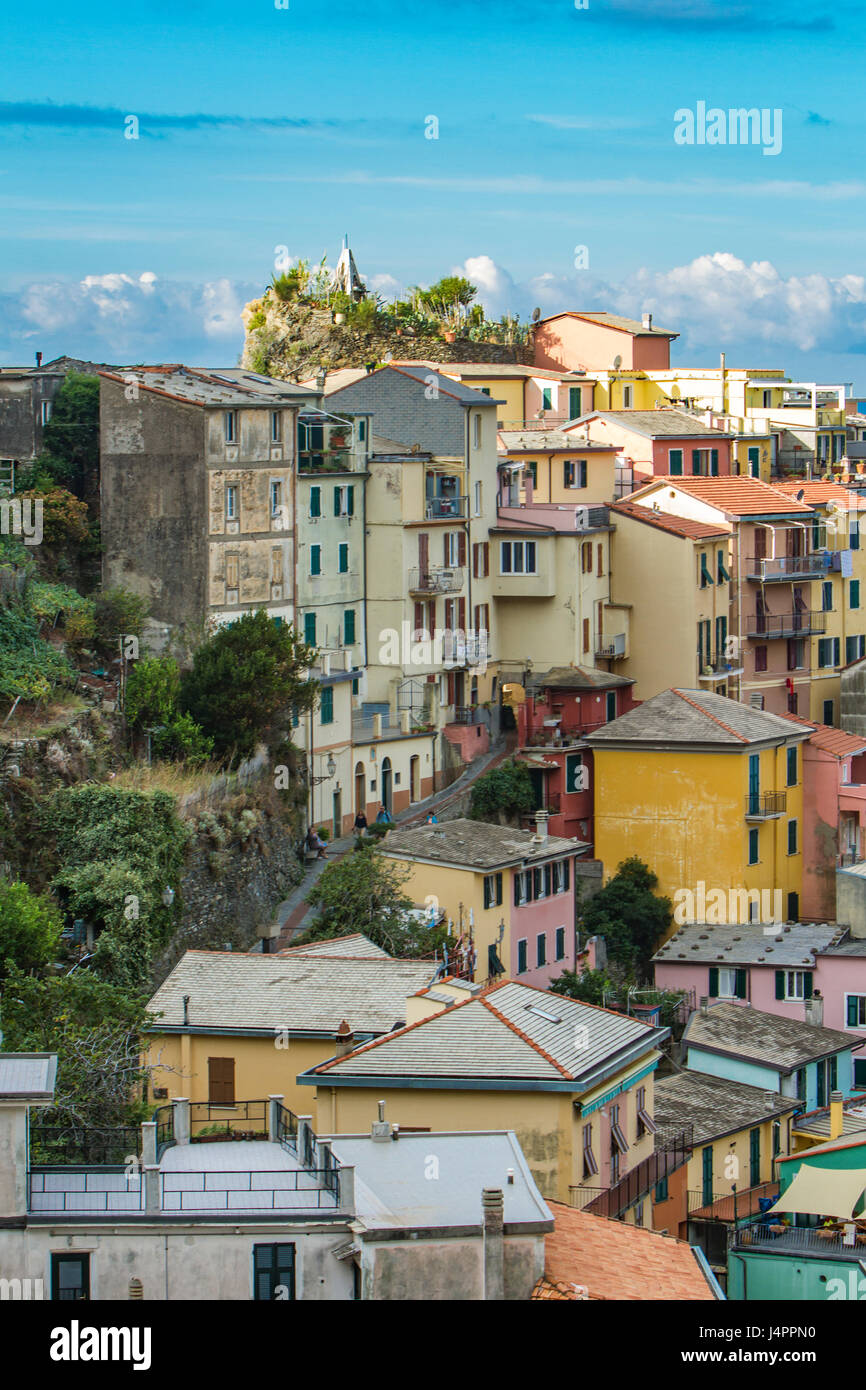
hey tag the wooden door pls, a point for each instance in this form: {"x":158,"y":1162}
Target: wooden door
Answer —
{"x":221,"y":1080}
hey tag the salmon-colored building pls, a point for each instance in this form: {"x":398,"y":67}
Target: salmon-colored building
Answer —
{"x":834,"y":813}
{"x":659,"y":443}
{"x":572,"y":341}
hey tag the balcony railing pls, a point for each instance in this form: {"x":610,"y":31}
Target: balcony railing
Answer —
{"x":436,"y":580}
{"x":719,"y":670}
{"x":731,"y":1206}
{"x":330,"y":461}
{"x":444,"y":507}
{"x":769,"y":1235}
{"x":784,"y":567}
{"x":765,"y":805}
{"x":610,"y":648}
{"x":798,"y":624}
{"x":673,"y":1149}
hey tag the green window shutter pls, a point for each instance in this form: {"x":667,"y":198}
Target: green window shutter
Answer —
{"x":349,"y":627}
{"x":310,"y":629}
{"x":315,"y":559}
{"x":706,"y":577}
{"x":337,"y":492}
{"x":696,"y":461}
{"x":315,"y":501}
{"x":834,"y":1073}
{"x":574,"y":406}
{"x":807,"y":985}
{"x":852,"y":1011}
{"x":740,"y":986}
{"x":516,"y":881}
{"x":714,"y":982}
{"x":675,"y":462}
{"x":854,"y":594}
{"x":344,"y":559}
{"x":499,"y":890}
{"x":837,"y":651}
{"x":350,"y":500}
{"x":714,"y":463}
{"x":780,"y":984}
{"x":327,"y":711}
{"x":723,"y":575}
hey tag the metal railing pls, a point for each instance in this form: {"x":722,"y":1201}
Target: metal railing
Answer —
{"x":785,"y":624}
{"x":763,"y":805}
{"x":287,"y":1129}
{"x":673,"y":1149}
{"x":327,"y":461}
{"x":67,"y":1189}
{"x":436,"y":580}
{"x":243,"y":1119}
{"x":767,"y":1234}
{"x":610,"y":647}
{"x":546,"y":422}
{"x":62,"y":1144}
{"x":444,"y":507}
{"x":278,"y":1189}
{"x":783,"y":567}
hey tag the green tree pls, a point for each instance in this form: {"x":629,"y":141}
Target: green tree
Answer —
{"x":362,"y":893}
{"x":503,"y":794}
{"x":70,"y":440}
{"x":244,"y":682}
{"x":629,"y":915}
{"x":449,"y":292}
{"x":30,"y":928}
{"x":152,"y":691}
{"x":592,"y":987}
{"x":95,"y":1029}
{"x":118,"y":613}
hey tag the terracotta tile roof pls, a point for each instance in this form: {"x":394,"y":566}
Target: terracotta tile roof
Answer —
{"x":736,"y":496}
{"x":676,"y":525}
{"x":616,"y":1261}
{"x":829,"y":739}
{"x":559,"y":1289}
{"x":618,"y":321}
{"x":815,"y":493}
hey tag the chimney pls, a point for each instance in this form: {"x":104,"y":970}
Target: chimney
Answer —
{"x":39,"y":359}
{"x":541,"y":819}
{"x":813,"y":1011}
{"x":705,"y":1006}
{"x":493,"y":1221}
{"x":185,"y":1009}
{"x":837,"y":1115}
{"x":647,"y":320}
{"x":381,"y":1130}
{"x":345,"y":1039}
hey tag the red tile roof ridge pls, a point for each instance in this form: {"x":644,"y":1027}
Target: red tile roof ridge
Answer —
{"x":721,"y":723}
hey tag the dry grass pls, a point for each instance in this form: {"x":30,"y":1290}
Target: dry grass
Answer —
{"x":44,"y":720}
{"x":175,"y":778}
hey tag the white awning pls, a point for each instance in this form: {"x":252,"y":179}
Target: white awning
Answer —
{"x":823,"y":1192}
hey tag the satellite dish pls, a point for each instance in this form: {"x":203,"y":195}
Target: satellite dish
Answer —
{"x":617,"y":363}
{"x":536,"y":315}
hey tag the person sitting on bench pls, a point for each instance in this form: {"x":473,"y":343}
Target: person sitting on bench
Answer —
{"x":314,"y":843}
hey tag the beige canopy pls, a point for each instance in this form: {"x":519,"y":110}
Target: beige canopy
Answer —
{"x":823,"y":1192}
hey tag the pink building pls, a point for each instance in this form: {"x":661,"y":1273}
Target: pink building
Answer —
{"x":561,"y":706}
{"x":572,"y":340}
{"x":661,"y":443}
{"x":834,"y":813}
{"x":813,"y":973}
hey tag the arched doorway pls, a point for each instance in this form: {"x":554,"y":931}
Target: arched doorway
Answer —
{"x":414,"y":777}
{"x":386,"y":784}
{"x":360,"y":790}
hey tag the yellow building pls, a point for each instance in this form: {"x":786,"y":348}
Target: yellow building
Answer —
{"x":565,"y":469}
{"x":841,"y":1119}
{"x":573,"y":1081}
{"x":509,"y":894}
{"x":230,"y":1027}
{"x":660,"y":565}
{"x":704,"y":790}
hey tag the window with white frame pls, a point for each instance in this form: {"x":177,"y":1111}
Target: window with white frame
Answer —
{"x":795,"y":984}
{"x":230,"y":426}
{"x":45,"y":412}
{"x":517,"y":557}
{"x":476,"y":430}
{"x":727,"y":983}
{"x":477,"y":499}
{"x":855,"y":1010}
{"x":452,"y":548}
{"x":276,"y":426}
{"x":627,"y":397}
{"x":231,"y":502}
{"x":276,"y":496}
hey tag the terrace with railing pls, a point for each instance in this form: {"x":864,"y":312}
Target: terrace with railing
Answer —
{"x":269,"y":1161}
{"x":673,"y":1149}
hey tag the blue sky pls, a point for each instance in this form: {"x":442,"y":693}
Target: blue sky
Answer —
{"x":262,"y":127}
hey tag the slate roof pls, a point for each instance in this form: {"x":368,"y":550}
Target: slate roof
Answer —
{"x":577,"y":678}
{"x":614,"y":1260}
{"x":392,"y":1189}
{"x":680,"y":526}
{"x":355,"y":945}
{"x":510,"y":1032}
{"x":737,"y":496}
{"x":659,"y":424}
{"x":475,"y":844}
{"x":446,"y":385}
{"x":620,"y":321}
{"x":817,"y":1122}
{"x":301,"y":992}
{"x":785,"y":1044}
{"x":713,"y":1105}
{"x":545,"y":441}
{"x":793,"y":945}
{"x":230,"y":386}
{"x":693,"y":716}
{"x":854,"y":946}
{"x":27,"y":1076}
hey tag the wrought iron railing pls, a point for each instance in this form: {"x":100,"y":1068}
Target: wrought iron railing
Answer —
{"x":436,"y":580}
{"x":243,"y":1119}
{"x":287,"y":1128}
{"x":673,"y":1149}
{"x":798,"y":624}
{"x":764,"y":804}
{"x":64,"y":1144}
{"x":786,"y":566}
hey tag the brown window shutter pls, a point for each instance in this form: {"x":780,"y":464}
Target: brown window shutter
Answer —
{"x":446,"y":550}
{"x":600,"y":562}
{"x":486,"y":558}
{"x":461,"y":623}
{"x":586,"y":634}
{"x":419,"y":620}
{"x":461,"y":547}
{"x":221,"y":1080}
{"x":475,"y":550}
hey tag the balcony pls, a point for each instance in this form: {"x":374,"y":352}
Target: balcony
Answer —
{"x":330,"y":461}
{"x":435,"y":580}
{"x":784,"y":568}
{"x":730,"y":1206}
{"x":719,"y":671}
{"x":445,"y":508}
{"x":772,"y":1238}
{"x":279,"y":1167}
{"x":798,"y":624}
{"x":610,"y":648}
{"x":766,"y":805}
{"x":673,"y":1149}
